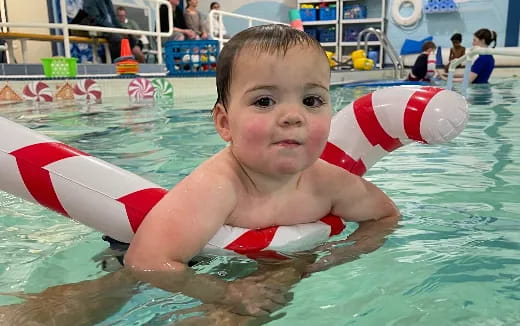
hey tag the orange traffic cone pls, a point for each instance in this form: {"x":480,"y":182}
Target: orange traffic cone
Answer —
{"x":125,"y":48}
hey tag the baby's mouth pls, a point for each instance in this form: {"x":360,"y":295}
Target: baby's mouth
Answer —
{"x":288,"y":142}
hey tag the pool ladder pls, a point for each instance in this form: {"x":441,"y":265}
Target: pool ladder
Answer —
{"x":387,"y":47}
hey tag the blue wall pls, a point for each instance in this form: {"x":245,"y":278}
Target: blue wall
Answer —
{"x":471,"y":16}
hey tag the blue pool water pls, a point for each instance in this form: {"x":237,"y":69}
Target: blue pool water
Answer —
{"x":454,"y":260}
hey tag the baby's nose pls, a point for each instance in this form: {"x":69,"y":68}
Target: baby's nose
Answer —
{"x":292,"y":117}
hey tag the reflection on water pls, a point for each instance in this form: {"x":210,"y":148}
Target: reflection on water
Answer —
{"x":454,"y":260}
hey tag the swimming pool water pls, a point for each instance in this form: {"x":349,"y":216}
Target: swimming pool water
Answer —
{"x":454,"y":260}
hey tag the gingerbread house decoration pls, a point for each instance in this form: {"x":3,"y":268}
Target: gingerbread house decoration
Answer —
{"x":65,"y":92}
{"x":7,"y":94}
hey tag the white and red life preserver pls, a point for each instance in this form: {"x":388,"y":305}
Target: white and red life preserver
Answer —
{"x":114,"y":201}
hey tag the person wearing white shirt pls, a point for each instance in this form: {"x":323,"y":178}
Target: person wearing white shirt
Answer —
{"x":219,"y":30}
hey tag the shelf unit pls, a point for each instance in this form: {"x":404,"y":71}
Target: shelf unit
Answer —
{"x":329,"y":46}
{"x":375,"y":17}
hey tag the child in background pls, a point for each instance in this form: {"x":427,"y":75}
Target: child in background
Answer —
{"x":457,"y":50}
{"x":420,"y":68}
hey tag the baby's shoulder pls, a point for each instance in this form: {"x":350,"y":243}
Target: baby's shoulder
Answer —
{"x":220,"y":167}
{"x":326,"y":173}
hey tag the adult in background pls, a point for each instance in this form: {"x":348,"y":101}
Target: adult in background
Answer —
{"x":180,"y":30}
{"x":194,"y":19}
{"x":219,"y":30}
{"x":483,"y":67}
{"x":130,"y":24}
{"x":101,"y":13}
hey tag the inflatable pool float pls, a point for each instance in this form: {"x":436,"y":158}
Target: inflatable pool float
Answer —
{"x":115,"y":201}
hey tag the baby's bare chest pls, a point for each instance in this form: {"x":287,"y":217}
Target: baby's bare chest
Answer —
{"x":259,"y":212}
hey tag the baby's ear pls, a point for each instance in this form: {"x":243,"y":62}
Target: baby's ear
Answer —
{"x":220,"y":119}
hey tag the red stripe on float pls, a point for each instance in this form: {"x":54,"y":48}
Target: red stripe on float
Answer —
{"x":139,"y":203}
{"x":336,"y":224}
{"x":31,"y":161}
{"x":415,"y":110}
{"x":253,"y":240}
{"x":372,"y":129}
{"x":336,"y":156}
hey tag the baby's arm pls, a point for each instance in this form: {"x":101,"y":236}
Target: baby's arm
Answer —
{"x":177,"y":228}
{"x":355,"y":199}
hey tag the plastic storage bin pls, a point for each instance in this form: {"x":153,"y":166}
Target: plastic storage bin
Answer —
{"x":328,"y":13}
{"x":308,"y":14}
{"x":191,"y":58}
{"x":59,"y":67}
{"x":327,"y":35}
{"x":312,"y":31}
{"x":354,"y":12}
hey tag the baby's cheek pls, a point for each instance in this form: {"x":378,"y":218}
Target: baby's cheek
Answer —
{"x":319,"y":134}
{"x":255,"y":129}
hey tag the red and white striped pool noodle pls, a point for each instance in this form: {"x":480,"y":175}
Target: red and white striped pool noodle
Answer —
{"x":114,"y":201}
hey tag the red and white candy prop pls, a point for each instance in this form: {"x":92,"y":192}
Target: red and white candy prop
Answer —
{"x":114,"y":201}
{"x":140,"y":89}
{"x":87,"y":90}
{"x":37,"y":92}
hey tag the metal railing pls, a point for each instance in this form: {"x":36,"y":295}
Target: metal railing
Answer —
{"x":386,"y":46}
{"x":218,"y":16}
{"x":469,"y":57}
{"x":65,"y":27}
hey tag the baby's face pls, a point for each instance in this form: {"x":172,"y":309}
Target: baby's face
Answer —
{"x":279,"y":110}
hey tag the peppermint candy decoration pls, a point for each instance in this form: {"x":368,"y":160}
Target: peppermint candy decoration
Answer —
{"x":140,"y":89}
{"x":37,"y":91}
{"x":87,"y":90}
{"x":163,"y":89}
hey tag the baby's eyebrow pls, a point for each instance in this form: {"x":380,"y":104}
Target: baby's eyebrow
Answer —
{"x":261,"y":87}
{"x":315,"y":85}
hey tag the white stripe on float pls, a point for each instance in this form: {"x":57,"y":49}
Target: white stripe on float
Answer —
{"x":444,"y":118}
{"x":346,"y":134}
{"x":14,"y":136}
{"x":300,"y":237}
{"x":93,"y":208}
{"x":99,"y":176}
{"x":389,"y":106}
{"x":10,"y":179}
{"x":225,"y":235}
{"x":372,"y":155}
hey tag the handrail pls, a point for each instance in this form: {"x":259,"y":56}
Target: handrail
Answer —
{"x":219,"y":14}
{"x":396,"y":60}
{"x":65,"y":27}
{"x":469,"y":57}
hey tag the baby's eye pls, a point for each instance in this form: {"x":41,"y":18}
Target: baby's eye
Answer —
{"x":264,"y":102}
{"x":313,"y":101}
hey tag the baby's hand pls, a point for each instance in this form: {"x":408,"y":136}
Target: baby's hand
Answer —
{"x":254,"y":296}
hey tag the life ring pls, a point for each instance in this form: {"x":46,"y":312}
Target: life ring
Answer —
{"x":410,"y":20}
{"x":114,"y":201}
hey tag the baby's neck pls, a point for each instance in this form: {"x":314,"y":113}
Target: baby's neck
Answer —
{"x":264,"y":184}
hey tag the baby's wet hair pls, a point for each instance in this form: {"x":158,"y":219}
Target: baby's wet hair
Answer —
{"x":270,"y":39}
